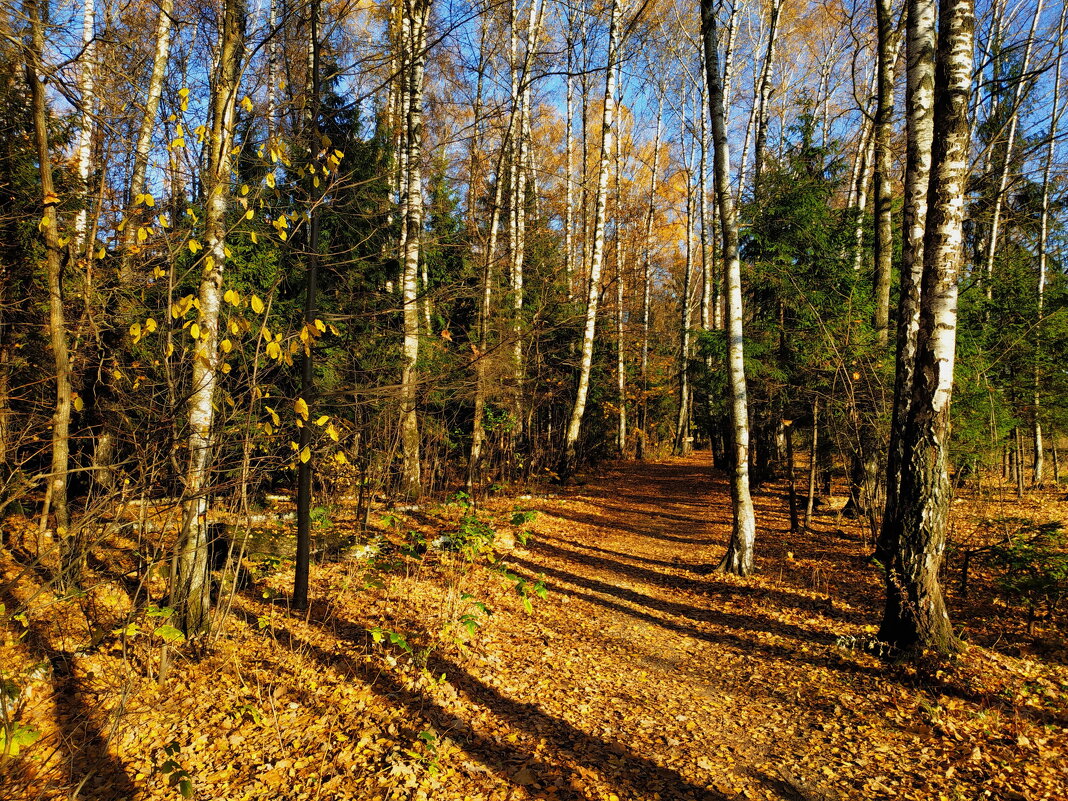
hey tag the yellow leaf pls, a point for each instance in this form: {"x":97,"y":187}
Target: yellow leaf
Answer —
{"x":226,"y":368}
{"x":226,"y":346}
{"x":274,"y":351}
{"x":79,"y":404}
{"x":149,"y":200}
{"x":305,"y":454}
{"x":194,"y":331}
{"x":255,"y":239}
{"x":339,"y":457}
{"x":150,"y":325}
{"x":320,"y":325}
{"x":51,"y":199}
{"x":194,"y":246}
{"x":322,"y":421}
{"x":183,"y":93}
{"x":142,"y":235}
{"x":283,"y":235}
{"x":250,"y":214}
{"x":246,"y":104}
{"x":274,"y":415}
{"x":332,"y":432}
{"x":257,"y":304}
{"x":270,"y":180}
{"x":169,"y":351}
{"x":244,"y":189}
{"x":135,"y":331}
{"x":300,"y":406}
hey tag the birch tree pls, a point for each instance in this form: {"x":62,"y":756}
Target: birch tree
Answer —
{"x":192,"y":587}
{"x":578,"y":410}
{"x":416,"y":16}
{"x":915,"y":614}
{"x":739,"y":557}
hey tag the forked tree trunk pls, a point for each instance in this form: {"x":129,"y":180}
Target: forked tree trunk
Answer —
{"x":739,"y":556}
{"x":916,"y":616}
{"x":191,"y":591}
{"x":569,"y":456}
{"x":919,"y":108}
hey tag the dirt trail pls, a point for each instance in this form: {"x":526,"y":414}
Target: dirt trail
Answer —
{"x":685,"y":684}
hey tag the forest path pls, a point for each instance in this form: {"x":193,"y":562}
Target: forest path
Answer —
{"x":657,"y":679}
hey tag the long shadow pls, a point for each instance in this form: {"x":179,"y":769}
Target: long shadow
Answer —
{"x":604,"y":523}
{"x":638,"y":773}
{"x":554,"y":548}
{"x":85,"y":744}
{"x":732,"y":620}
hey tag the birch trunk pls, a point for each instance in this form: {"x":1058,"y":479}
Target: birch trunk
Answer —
{"x":739,"y":556}
{"x":621,"y":374}
{"x":760,"y":135}
{"x":920,"y":47}
{"x":570,"y":452}
{"x":647,"y":280}
{"x":57,"y":328}
{"x":87,"y":99}
{"x":191,"y":594}
{"x":916,"y":615}
{"x":682,"y":419}
{"x":144,"y":134}
{"x":569,"y":190}
{"x":417,"y":14}
{"x":884,"y":107}
{"x":1006,"y":163}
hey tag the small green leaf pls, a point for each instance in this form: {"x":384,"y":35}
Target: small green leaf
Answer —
{"x":169,"y":634}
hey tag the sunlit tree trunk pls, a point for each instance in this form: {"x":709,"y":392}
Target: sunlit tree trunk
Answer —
{"x":884,"y":107}
{"x":647,"y":279}
{"x":739,"y":556}
{"x":56,"y":491}
{"x":570,"y":452}
{"x":760,"y":133}
{"x":682,"y":418}
{"x":417,"y":13}
{"x":192,"y":588}
{"x":916,"y":615}
{"x":569,"y":146}
{"x":87,"y":100}
{"x":621,"y":374}
{"x":1043,"y":247}
{"x":1006,"y":163}
{"x":920,"y":46}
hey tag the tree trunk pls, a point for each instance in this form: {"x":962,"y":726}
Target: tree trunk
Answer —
{"x":57,"y":327}
{"x":1006,"y":164}
{"x":916,"y":616}
{"x":87,"y":100}
{"x":144,"y":135}
{"x":919,"y":101}
{"x":305,"y":457}
{"x":570,"y":451}
{"x":417,"y":13}
{"x":884,"y":109}
{"x":764,"y":95}
{"x":1043,"y":245}
{"x":191,"y":592}
{"x":621,"y":373}
{"x":813,"y":465}
{"x":647,"y":280}
{"x":739,"y":556}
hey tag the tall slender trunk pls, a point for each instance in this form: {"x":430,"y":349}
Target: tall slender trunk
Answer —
{"x":707,"y":288}
{"x":1006,"y":164}
{"x":570,"y":451}
{"x":1043,"y":246}
{"x":647,"y":280}
{"x":916,"y":615}
{"x":144,"y":135}
{"x":682,"y":419}
{"x":305,"y":457}
{"x":569,"y":170}
{"x":884,"y":107}
{"x":49,"y":227}
{"x":87,"y":100}
{"x":760,"y":135}
{"x":417,"y":14}
{"x":192,"y":589}
{"x":739,"y":556}
{"x":621,"y":373}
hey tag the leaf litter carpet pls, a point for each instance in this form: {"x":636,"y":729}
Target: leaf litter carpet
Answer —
{"x":640,"y":676}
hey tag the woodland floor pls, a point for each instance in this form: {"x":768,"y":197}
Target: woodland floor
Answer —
{"x":641,"y":675}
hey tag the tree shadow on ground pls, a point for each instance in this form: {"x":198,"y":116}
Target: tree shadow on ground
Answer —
{"x":618,"y":766}
{"x":671,"y":581}
{"x":93,"y":772}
